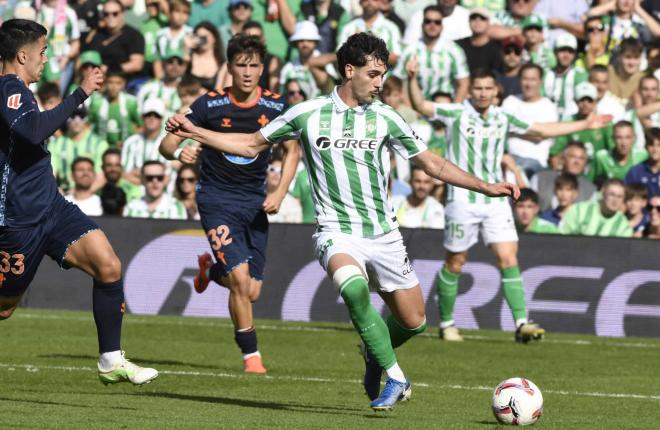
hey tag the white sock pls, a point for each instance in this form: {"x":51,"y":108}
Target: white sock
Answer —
{"x":108,"y":359}
{"x":445,"y":324}
{"x":396,"y":373}
{"x":521,"y":321}
{"x":252,"y":354}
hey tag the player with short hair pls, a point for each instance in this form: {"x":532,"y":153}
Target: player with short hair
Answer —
{"x":477,"y":133}
{"x":35,"y":220}
{"x":345,"y":138}
{"x":231,"y":197}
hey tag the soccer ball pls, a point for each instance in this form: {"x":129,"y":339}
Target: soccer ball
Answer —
{"x":517,"y":402}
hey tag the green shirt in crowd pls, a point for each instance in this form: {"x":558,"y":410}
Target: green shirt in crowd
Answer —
{"x":114,"y":121}
{"x":606,"y":167}
{"x":587,"y":219}
{"x":303,"y":193}
{"x":63,"y":150}
{"x":541,"y":226}
{"x":593,"y":140}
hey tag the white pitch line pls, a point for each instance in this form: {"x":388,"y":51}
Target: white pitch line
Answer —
{"x":37,"y":368}
{"x":184,"y":321}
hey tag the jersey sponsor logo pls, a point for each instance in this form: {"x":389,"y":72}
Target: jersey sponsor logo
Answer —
{"x":485,"y":132}
{"x":271,"y":104}
{"x":14,"y":101}
{"x":324,"y":143}
{"x":237,"y":159}
{"x":226,"y":122}
{"x":217,"y":102}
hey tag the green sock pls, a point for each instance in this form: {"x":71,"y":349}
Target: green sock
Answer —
{"x":447,"y":290}
{"x":399,"y":334}
{"x":514,"y":293}
{"x":367,"y":321}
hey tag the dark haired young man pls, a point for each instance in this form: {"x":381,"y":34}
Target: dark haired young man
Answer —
{"x":35,"y":220}
{"x":476,"y":141}
{"x":231,"y":198}
{"x":345,"y":138}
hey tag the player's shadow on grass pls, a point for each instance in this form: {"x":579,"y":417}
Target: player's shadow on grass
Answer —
{"x":134,"y":359}
{"x":291,"y":407}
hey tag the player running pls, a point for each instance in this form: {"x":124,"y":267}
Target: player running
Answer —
{"x":35,"y":220}
{"x":345,"y":138}
{"x":477,"y":132}
{"x":232,"y":197}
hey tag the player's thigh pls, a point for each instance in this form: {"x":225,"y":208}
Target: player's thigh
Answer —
{"x":498,"y":225}
{"x":461,"y":227}
{"x":506,"y":253}
{"x":335,"y":250}
{"x":93,"y":254}
{"x":21,"y":252}
{"x":225,"y":230}
{"x":388,"y":266}
{"x":257,"y":241}
{"x":407,"y":306}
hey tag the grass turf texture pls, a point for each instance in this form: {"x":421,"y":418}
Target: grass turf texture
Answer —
{"x":48,"y":377}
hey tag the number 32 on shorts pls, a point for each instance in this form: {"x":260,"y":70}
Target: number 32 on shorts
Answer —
{"x":219,"y":237}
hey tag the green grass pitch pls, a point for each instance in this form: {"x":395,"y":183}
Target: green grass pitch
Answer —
{"x":48,"y":379}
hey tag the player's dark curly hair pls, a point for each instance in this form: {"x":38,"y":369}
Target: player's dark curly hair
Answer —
{"x":16,"y":33}
{"x":357,"y":50}
{"x":242,"y":44}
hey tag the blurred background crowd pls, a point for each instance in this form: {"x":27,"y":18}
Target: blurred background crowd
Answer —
{"x":555,"y":60}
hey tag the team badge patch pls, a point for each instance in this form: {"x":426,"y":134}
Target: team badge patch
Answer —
{"x":14,"y":101}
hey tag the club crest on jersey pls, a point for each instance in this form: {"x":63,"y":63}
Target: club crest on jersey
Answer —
{"x":14,"y":101}
{"x":324,"y":143}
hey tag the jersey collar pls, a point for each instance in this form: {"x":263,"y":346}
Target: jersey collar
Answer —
{"x":340,"y":106}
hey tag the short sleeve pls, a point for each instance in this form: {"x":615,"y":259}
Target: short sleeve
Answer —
{"x":460,"y":69}
{"x":198,"y":111}
{"x":402,"y":138}
{"x":516,"y":125}
{"x":284,"y":126}
{"x":136,"y":43}
{"x":17,"y":101}
{"x":447,"y":112}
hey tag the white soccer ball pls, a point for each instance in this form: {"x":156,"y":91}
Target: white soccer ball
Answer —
{"x":517,"y":402}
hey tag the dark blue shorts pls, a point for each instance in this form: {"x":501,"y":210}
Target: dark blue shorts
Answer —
{"x":236,"y":235}
{"x":21,"y":251}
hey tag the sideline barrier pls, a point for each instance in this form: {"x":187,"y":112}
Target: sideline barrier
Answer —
{"x":602,"y":286}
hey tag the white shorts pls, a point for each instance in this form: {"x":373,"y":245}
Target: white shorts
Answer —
{"x":463,"y":221}
{"x":382,"y":258}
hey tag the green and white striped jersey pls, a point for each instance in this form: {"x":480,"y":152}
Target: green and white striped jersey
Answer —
{"x":346,"y":154}
{"x":114,"y":121}
{"x":165,"y":41}
{"x":294,"y":69}
{"x":63,"y":150}
{"x":492,"y":5}
{"x":561,"y":89}
{"x":439,"y":67}
{"x":382,"y":27}
{"x":544,"y":57}
{"x":156,"y":89}
{"x":640,"y":139}
{"x":587,"y":219}
{"x":137,"y":149}
{"x":476,"y":144}
{"x":168,"y":208}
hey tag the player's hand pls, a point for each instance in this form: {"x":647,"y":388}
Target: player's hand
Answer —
{"x":190,"y":153}
{"x":598,"y":121}
{"x":272,"y":203}
{"x":180,"y":125}
{"x":503,"y":189}
{"x":412,"y":67}
{"x":92,"y":81}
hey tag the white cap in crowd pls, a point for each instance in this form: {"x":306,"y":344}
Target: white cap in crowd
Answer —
{"x":154,"y":105}
{"x":566,"y":40}
{"x":305,"y":30}
{"x":585,"y":89}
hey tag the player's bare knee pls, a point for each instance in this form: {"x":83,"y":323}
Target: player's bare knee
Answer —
{"x":6,"y":313}
{"x":414,"y":320}
{"x":109,"y":270}
{"x":504,"y":262}
{"x":240,"y":285}
{"x":455,"y":262}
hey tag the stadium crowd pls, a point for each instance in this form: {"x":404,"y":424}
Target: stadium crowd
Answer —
{"x":555,"y":60}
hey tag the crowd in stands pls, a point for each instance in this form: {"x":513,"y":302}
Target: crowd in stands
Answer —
{"x":555,"y":60}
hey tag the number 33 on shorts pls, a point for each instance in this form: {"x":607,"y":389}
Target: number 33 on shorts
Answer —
{"x":17,"y":266}
{"x":219,"y":237}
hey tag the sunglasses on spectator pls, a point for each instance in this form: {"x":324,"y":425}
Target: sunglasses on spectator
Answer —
{"x":595,"y":29}
{"x":115,"y":14}
{"x":273,"y":169}
{"x":77,"y":117}
{"x":241,"y":5}
{"x":477,"y":16}
{"x":151,"y":178}
{"x":189,"y":179}
{"x":294,"y":93}
{"x":151,"y":115}
{"x":173,"y":60}
{"x":512,"y":49}
{"x":652,"y":208}
{"x":520,"y":1}
{"x":432,"y":21}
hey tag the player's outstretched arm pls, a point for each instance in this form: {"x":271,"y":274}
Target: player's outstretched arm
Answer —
{"x":243,"y":144}
{"x":171,"y":150}
{"x":289,"y":165}
{"x":444,"y":170}
{"x":554,"y":129}
{"x":422,"y":106}
{"x":648,"y":110}
{"x":34,"y":127}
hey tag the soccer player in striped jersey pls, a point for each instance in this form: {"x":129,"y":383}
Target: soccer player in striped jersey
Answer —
{"x":476,"y":140}
{"x":35,"y":220}
{"x":345,"y":138}
{"x":231,"y":194}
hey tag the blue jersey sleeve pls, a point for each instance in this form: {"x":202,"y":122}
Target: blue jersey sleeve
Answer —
{"x":197,"y":113}
{"x":20,"y":112}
